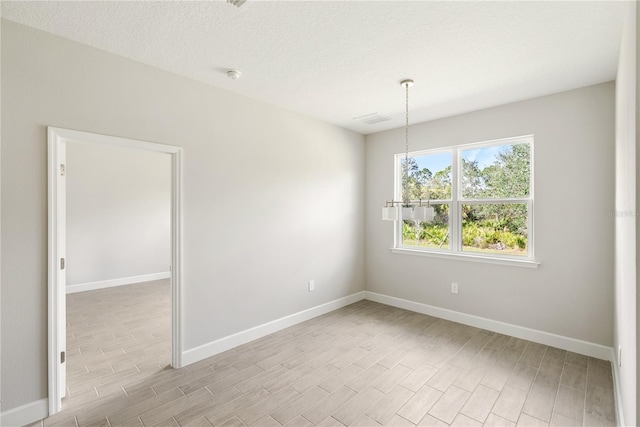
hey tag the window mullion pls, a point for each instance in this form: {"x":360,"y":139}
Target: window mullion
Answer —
{"x":455,"y":223}
{"x":495,"y":201}
{"x":530,"y":244}
{"x":397,"y":195}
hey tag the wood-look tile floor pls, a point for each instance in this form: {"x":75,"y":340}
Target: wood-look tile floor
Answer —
{"x":363,"y":365}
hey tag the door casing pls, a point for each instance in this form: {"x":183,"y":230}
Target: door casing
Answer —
{"x":57,"y":140}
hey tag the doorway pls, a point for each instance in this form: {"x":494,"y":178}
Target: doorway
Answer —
{"x":57,"y":144}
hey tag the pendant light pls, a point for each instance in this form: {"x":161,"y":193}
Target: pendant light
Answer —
{"x":409,"y":212}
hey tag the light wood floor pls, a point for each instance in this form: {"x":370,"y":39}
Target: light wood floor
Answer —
{"x":365,"y":365}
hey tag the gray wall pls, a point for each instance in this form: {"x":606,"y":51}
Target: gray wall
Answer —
{"x":625,"y":221}
{"x":272,"y":199}
{"x":571,"y":293}
{"x":118,"y":213}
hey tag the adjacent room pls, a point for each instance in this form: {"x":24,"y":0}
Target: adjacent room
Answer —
{"x":292,"y":213}
{"x":118,"y":257}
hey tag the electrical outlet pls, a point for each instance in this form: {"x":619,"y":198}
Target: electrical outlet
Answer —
{"x":454,"y":288}
{"x":620,"y":356}
{"x":312,"y":285}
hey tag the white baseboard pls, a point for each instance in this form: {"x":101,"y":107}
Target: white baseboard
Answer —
{"x":223,"y":344}
{"x":82,"y":287}
{"x":559,"y":341}
{"x":25,"y":414}
{"x":617,"y":391}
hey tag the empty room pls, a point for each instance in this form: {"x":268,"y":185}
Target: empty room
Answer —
{"x":318,"y":213}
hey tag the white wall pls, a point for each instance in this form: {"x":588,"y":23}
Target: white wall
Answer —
{"x":625,"y":221}
{"x":118,"y":213}
{"x":571,"y":293}
{"x":272,"y":199}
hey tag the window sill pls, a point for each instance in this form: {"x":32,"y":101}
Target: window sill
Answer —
{"x":526,"y":263}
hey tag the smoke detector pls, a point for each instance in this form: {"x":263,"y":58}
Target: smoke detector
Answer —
{"x":233,"y":74}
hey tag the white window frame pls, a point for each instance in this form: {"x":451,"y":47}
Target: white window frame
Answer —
{"x":455,"y":221}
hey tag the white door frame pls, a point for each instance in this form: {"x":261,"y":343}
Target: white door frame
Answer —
{"x":57,"y":140}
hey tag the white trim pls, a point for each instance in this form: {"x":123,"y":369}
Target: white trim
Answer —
{"x":617,"y":391}
{"x":456,"y":201}
{"x":176,"y":258}
{"x":57,"y":139}
{"x":571,"y":344}
{"x":514,"y":200}
{"x":223,"y":344}
{"x":25,"y":414}
{"x":527,"y":263}
{"x":547,"y":338}
{"x":76,"y":136}
{"x":455,"y":226}
{"x":101,"y":284}
{"x":56,"y":303}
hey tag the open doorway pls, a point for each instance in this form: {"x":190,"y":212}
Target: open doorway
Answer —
{"x":124,"y":285}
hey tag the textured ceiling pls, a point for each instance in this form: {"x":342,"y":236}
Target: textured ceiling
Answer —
{"x":344,"y":59}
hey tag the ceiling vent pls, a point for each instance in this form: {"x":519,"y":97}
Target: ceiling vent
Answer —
{"x":237,"y":3}
{"x":371,"y":118}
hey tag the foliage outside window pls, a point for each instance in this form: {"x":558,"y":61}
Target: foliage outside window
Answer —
{"x":481,"y":194}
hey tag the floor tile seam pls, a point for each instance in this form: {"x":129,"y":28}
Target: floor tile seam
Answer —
{"x":555,"y":401}
{"x":586,"y":385}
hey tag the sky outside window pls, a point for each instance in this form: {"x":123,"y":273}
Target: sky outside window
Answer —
{"x":434,"y":162}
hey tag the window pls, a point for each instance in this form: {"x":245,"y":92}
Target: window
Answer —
{"x":482,"y":195}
